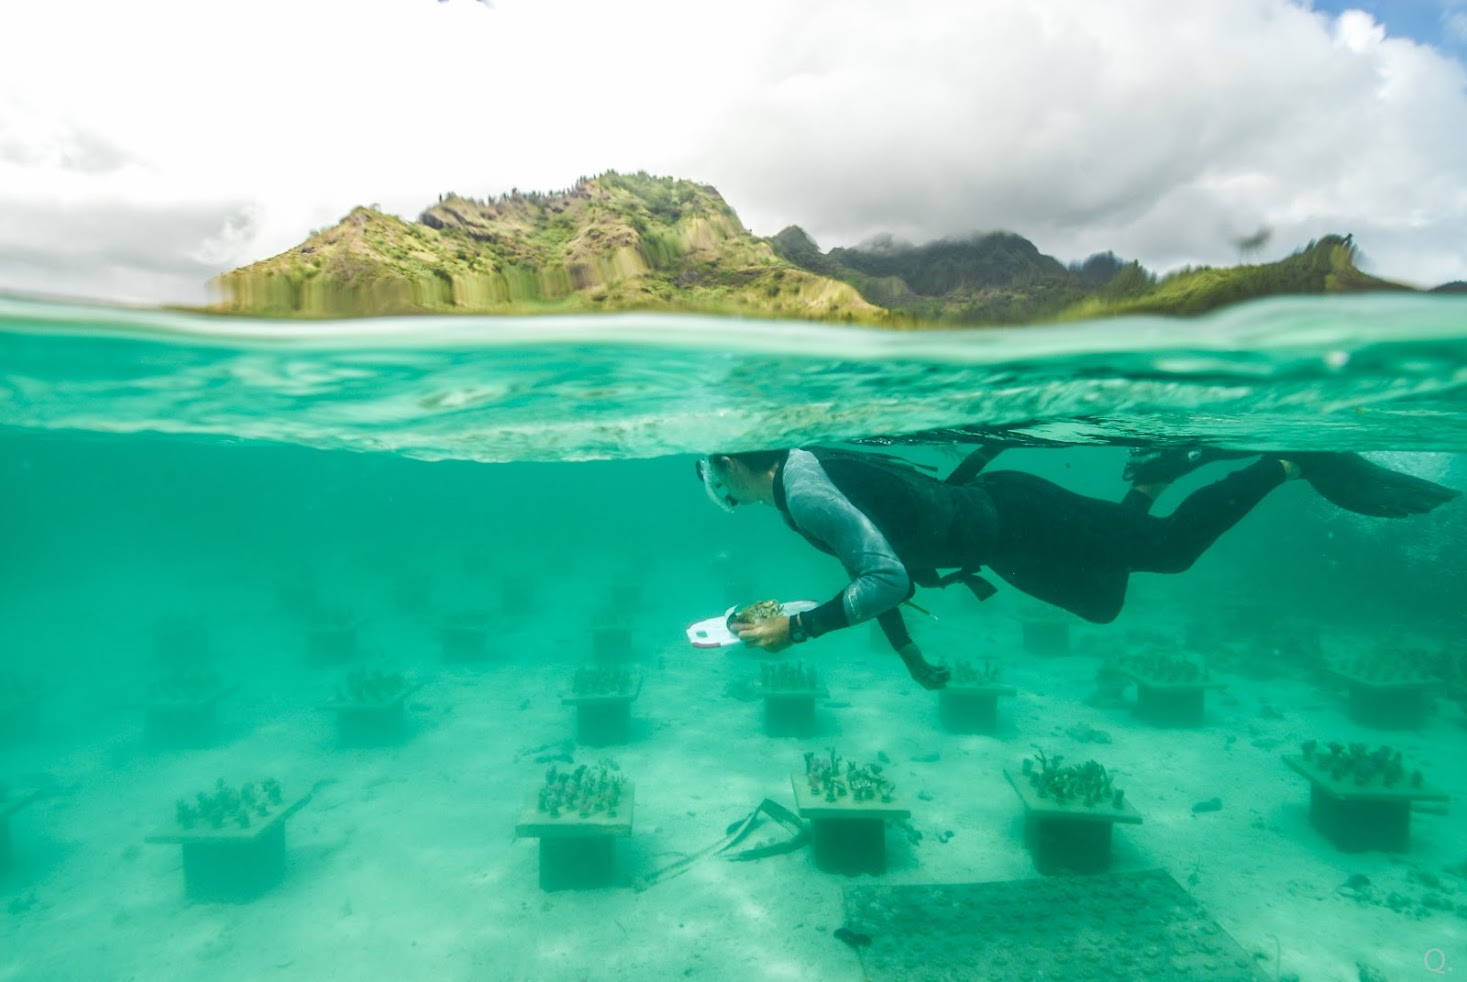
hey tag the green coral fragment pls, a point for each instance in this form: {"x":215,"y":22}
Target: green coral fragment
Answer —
{"x":585,"y":791}
{"x":225,"y":806}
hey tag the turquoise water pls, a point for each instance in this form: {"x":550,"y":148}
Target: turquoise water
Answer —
{"x":1381,"y":372}
{"x":244,"y":480}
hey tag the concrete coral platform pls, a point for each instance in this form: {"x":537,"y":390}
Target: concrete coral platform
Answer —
{"x":577,"y":852}
{"x":1358,"y":818}
{"x":231,"y":863}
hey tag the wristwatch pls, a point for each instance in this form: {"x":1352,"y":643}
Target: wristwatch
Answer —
{"x":797,"y":630}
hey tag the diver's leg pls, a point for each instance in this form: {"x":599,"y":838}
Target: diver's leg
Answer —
{"x":1095,"y":592}
{"x":972,"y":465}
{"x":1060,"y":547}
{"x":1151,"y":470}
{"x":1140,"y":499}
{"x":1172,"y":544}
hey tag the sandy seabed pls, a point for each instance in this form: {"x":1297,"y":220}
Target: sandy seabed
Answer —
{"x":405,"y":864}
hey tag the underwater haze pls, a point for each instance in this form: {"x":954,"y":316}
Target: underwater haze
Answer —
{"x":215,"y":533}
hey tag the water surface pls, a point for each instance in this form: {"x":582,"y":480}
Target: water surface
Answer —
{"x":1374,"y":372}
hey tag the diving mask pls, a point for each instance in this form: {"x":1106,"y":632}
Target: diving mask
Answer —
{"x":714,"y":484}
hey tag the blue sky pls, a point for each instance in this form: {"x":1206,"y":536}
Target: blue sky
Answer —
{"x":1439,"y":23}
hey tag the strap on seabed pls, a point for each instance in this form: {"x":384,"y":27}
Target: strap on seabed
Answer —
{"x":736,"y":833}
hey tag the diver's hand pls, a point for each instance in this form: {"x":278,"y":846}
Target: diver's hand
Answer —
{"x":928,"y":676}
{"x":772,"y":635}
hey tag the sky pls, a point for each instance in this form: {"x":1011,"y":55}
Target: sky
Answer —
{"x":146,"y":145}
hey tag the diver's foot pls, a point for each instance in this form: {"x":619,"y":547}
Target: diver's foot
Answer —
{"x":1355,"y":484}
{"x":1154,"y":468}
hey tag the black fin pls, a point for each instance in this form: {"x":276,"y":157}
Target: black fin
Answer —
{"x":1355,"y":484}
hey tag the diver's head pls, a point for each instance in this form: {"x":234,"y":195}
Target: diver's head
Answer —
{"x":739,"y":478}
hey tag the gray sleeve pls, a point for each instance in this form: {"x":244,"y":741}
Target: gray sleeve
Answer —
{"x":879,"y":581}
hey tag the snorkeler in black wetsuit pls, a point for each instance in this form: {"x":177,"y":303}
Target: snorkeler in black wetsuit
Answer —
{"x":893,"y":528}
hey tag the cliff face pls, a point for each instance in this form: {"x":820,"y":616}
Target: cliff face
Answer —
{"x":615,"y":242}
{"x":635,"y":242}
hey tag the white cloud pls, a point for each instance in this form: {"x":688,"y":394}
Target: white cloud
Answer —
{"x":1454,"y":22}
{"x":1358,"y":32}
{"x":1161,"y":133}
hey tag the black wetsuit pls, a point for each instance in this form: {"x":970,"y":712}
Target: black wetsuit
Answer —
{"x":893,"y":526}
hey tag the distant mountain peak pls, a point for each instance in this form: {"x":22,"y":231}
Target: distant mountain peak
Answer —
{"x":640,"y":242}
{"x":610,"y":242}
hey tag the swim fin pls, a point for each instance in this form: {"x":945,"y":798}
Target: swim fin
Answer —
{"x":1355,"y":484}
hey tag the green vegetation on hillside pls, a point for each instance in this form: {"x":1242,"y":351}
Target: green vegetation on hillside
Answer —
{"x":636,"y":242}
{"x":1324,"y":266}
{"x":1002,"y":278}
{"x":614,"y":242}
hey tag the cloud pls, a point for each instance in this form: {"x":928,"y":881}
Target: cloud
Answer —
{"x":1089,"y":127}
{"x":72,"y":150}
{"x":1454,"y":22}
{"x":1084,"y":126}
{"x":121,"y":250}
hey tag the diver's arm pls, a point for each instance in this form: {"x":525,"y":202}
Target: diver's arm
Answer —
{"x":894,"y":626}
{"x":928,"y":675}
{"x":879,"y":581}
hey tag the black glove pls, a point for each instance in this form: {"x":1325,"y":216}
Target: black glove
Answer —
{"x":928,"y":676}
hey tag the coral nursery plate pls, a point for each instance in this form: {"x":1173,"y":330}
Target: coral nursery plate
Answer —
{"x":714,"y":632}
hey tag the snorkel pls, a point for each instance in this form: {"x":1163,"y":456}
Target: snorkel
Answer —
{"x":713,"y":483}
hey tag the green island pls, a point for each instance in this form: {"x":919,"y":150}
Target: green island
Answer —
{"x":635,"y":242}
